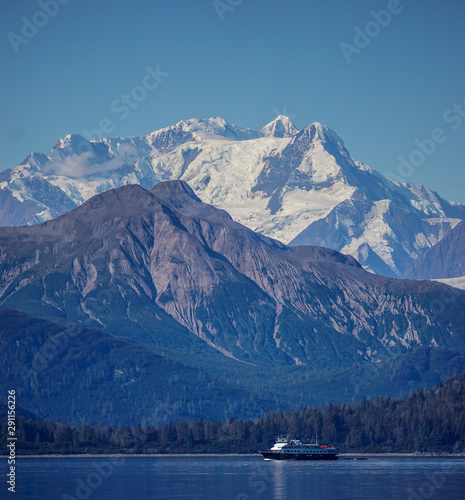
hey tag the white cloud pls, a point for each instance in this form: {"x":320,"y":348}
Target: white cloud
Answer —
{"x":81,"y":166}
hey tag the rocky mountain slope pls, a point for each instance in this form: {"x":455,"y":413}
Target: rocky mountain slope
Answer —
{"x":300,"y":187}
{"x":158,"y":266}
{"x":61,"y":370}
{"x":160,"y":276}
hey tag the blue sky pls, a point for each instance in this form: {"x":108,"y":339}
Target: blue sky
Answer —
{"x":399,"y":83}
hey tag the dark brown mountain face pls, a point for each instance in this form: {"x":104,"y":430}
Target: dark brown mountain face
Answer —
{"x":161,"y":270}
{"x":160,"y":267}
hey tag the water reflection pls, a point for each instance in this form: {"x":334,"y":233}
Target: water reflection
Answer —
{"x":279,"y":477}
{"x":240,"y":478}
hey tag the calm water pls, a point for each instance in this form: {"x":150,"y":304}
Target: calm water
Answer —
{"x":236,"y":478}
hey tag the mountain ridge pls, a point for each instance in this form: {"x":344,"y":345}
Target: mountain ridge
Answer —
{"x":301,"y":187}
{"x":164,"y":272}
{"x":177,"y":254}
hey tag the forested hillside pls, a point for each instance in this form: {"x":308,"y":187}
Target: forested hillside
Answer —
{"x":427,"y":421}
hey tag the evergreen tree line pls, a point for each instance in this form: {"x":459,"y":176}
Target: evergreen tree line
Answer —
{"x":427,"y":421}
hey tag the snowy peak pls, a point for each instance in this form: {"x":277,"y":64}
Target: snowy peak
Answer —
{"x":319,"y":137}
{"x":215,"y":127}
{"x":74,"y":142}
{"x":318,"y":132}
{"x":199,"y":129}
{"x":282,"y":127}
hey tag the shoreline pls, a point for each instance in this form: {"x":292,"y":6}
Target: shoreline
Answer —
{"x":192,"y":455}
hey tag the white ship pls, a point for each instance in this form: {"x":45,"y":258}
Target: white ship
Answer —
{"x":294,"y":449}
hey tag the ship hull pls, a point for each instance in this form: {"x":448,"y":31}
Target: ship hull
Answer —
{"x":276,"y":455}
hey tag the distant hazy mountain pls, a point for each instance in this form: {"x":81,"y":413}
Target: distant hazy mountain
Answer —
{"x":300,"y":187}
{"x":445,"y":261}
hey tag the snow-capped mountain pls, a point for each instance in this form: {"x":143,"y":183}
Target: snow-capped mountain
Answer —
{"x":300,"y":187}
{"x":281,"y":127}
